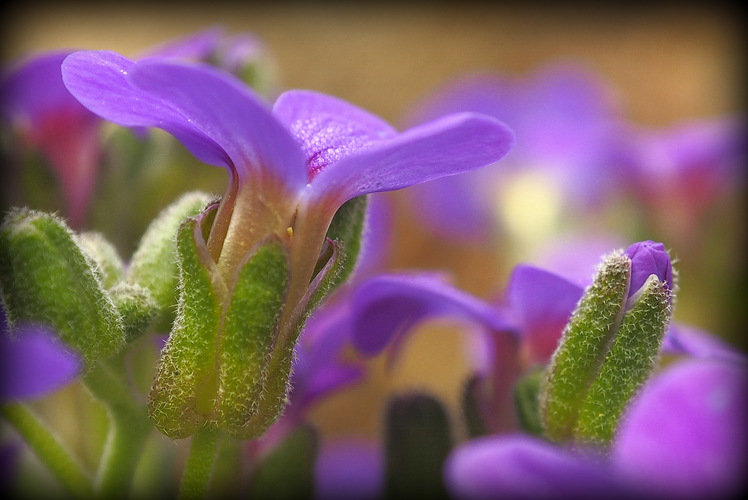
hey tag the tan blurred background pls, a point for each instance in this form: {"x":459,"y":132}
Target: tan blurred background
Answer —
{"x":668,"y":64}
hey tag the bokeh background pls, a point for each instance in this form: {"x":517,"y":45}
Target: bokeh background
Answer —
{"x":668,"y":63}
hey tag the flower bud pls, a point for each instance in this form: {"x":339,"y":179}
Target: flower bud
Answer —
{"x":609,"y":347}
{"x":48,"y":279}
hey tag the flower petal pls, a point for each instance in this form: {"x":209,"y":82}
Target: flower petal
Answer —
{"x":691,"y":419}
{"x":214,"y":115}
{"x":385,"y":307}
{"x":221,"y":107}
{"x":328,"y":128}
{"x":691,"y":341}
{"x":450,"y":145}
{"x":543,"y":303}
{"x":517,"y":466}
{"x":34,"y":362}
{"x":349,"y":469}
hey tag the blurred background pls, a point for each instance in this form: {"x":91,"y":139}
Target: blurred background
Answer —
{"x":665,"y":64}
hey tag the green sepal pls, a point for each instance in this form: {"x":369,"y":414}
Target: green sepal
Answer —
{"x":213,"y":368}
{"x":288,"y":471}
{"x":102,"y":252}
{"x":246,"y":339}
{"x":136,"y":307}
{"x":629,"y":363}
{"x":417,"y":441}
{"x":583,"y":346}
{"x":526,"y":401}
{"x":186,"y":383}
{"x":154,"y":265}
{"x":346,"y":230}
{"x":275,"y":394}
{"x":47,"y":278}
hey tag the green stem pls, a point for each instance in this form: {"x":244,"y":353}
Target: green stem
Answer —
{"x":128,"y":431}
{"x":199,"y":467}
{"x":49,"y":449}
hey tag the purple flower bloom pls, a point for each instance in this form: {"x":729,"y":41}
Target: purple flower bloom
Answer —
{"x":349,"y":469}
{"x":568,"y":132}
{"x":291,"y":167}
{"x":683,"y":169}
{"x":683,"y":436}
{"x":41,"y":112}
{"x":34,"y":362}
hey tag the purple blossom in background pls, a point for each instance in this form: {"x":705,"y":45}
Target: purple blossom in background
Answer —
{"x":39,"y":110}
{"x":682,"y":437}
{"x":568,"y":133}
{"x":34,"y":362}
{"x":680,"y":171}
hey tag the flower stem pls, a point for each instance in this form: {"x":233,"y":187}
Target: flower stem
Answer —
{"x":128,"y":431}
{"x":199,"y":468}
{"x":49,"y":449}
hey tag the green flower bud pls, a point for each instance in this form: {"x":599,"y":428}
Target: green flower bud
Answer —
{"x":136,"y":307}
{"x":102,"y":252}
{"x":47,"y":278}
{"x":153,"y":265}
{"x":608,"y":350}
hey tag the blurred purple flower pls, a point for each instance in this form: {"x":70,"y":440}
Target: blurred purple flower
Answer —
{"x":568,"y":131}
{"x":34,"y":362}
{"x":351,"y":469}
{"x":42,"y":114}
{"x":680,"y":171}
{"x":699,"y":454}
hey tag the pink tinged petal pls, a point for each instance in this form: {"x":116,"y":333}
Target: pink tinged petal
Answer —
{"x":516,"y":466}
{"x":34,"y":99}
{"x":328,"y":128}
{"x":685,"y":435}
{"x":34,"y":362}
{"x":351,"y":469}
{"x":385,"y":307}
{"x":543,"y":303}
{"x":450,"y":145}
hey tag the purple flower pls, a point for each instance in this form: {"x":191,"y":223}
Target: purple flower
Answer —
{"x":680,"y":171}
{"x":34,"y":362}
{"x":43,"y":115}
{"x":349,"y":469}
{"x":683,"y":436}
{"x":291,"y":167}
{"x":568,"y":133}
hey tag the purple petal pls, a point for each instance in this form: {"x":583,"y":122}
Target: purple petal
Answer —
{"x":691,"y":341}
{"x":647,"y":258}
{"x":349,"y":469}
{"x":451,"y":145}
{"x":320,"y":367}
{"x":328,"y":128}
{"x":517,"y":466}
{"x":34,"y":362}
{"x":543,"y":303}
{"x":686,"y":434}
{"x":196,"y":46}
{"x":216,"y":117}
{"x":385,"y":307}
